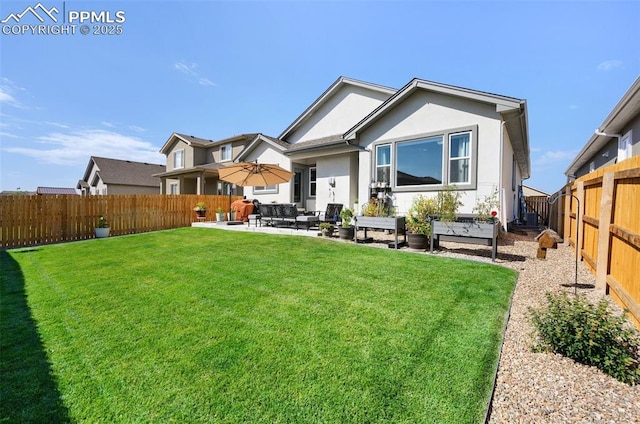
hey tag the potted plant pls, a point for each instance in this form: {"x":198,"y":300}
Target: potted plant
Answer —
{"x":326,"y":229}
{"x":232,"y":215}
{"x":419,"y":221}
{"x":220,"y":215}
{"x":102,"y":229}
{"x":201,"y":209}
{"x":346,"y":230}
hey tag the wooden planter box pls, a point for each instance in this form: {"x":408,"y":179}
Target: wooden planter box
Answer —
{"x":466,"y":232}
{"x":396,"y":224}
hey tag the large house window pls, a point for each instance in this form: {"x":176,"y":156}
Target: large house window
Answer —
{"x":173,"y":188}
{"x":419,"y":162}
{"x":178,"y":159}
{"x":312,"y":181}
{"x":429,"y":161}
{"x":225,"y":153}
{"x":383,"y":163}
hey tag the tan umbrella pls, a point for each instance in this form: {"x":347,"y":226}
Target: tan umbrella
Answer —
{"x":254,"y":174}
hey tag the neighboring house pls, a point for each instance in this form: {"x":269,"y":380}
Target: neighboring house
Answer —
{"x":56,"y":190}
{"x":615,"y":140}
{"x":114,"y":176}
{"x":193,"y":163}
{"x":359,"y":140}
{"x":528,"y":191}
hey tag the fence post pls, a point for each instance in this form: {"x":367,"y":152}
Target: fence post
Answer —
{"x":567,"y":214}
{"x":579,"y":217}
{"x":604,"y":236}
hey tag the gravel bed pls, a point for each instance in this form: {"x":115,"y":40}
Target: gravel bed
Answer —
{"x":544,"y":387}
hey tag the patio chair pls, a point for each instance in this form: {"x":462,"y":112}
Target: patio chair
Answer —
{"x":331,"y":214}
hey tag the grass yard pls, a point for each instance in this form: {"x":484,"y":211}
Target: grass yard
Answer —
{"x":205,"y":325}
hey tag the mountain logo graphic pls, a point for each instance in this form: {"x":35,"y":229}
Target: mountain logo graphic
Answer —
{"x":38,"y":11}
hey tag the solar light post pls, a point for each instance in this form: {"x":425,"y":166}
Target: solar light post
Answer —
{"x":551,"y":201}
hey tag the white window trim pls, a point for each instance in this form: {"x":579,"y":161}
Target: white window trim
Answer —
{"x":175,"y":155}
{"x":223,"y":148}
{"x":624,"y":146}
{"x":390,"y":166}
{"x":472,"y":185}
{"x":460,"y":158}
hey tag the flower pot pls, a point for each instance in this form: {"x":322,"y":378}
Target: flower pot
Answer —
{"x":102,"y":232}
{"x":201,"y":214}
{"x":346,"y":233}
{"x":232,"y":216}
{"x":220,"y":216}
{"x":418,"y":241}
{"x":327,"y":232}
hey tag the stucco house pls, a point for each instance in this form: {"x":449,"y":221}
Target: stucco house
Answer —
{"x":616,"y":139}
{"x":115,"y":176}
{"x":359,"y":140}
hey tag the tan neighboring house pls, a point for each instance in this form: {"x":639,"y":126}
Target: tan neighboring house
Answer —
{"x":115,"y":176}
{"x":616,"y":139}
{"x":528,"y":191}
{"x":193,"y":163}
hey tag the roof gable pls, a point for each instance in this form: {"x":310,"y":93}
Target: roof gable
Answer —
{"x":512,"y":110}
{"x":189,"y":139}
{"x":341,"y":86}
{"x":125,"y":172}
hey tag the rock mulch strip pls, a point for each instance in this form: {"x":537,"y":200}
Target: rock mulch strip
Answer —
{"x":545,"y":387}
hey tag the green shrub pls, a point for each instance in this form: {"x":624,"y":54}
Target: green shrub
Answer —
{"x":589,"y":334}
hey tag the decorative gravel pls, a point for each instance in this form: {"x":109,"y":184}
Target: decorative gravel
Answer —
{"x":544,"y":387}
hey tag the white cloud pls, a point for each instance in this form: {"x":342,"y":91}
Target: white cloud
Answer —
{"x":8,"y":135}
{"x":555,"y":157}
{"x":8,"y":90}
{"x":108,"y":124}
{"x":186,"y":68}
{"x":75,"y":148}
{"x":190,"y":71}
{"x":608,"y":65}
{"x":206,"y":81}
{"x":137,"y":128}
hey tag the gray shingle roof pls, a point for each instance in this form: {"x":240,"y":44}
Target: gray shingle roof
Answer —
{"x":56,"y":190}
{"x":318,"y":142}
{"x":126,"y":172}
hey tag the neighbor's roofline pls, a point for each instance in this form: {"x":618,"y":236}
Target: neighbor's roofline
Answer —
{"x":597,"y":142}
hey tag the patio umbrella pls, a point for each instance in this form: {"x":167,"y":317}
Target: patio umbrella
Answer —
{"x":254,"y":174}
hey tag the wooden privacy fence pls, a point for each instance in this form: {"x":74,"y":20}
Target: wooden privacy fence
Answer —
{"x":32,"y":220}
{"x":608,"y":229}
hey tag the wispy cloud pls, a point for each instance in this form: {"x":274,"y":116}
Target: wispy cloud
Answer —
{"x":189,"y":69}
{"x":7,"y":135}
{"x":137,"y":128}
{"x":75,"y":147}
{"x":8,"y":93}
{"x":609,"y":65}
{"x":555,"y":158}
{"x":206,"y":81}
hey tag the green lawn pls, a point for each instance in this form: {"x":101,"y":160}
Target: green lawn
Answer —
{"x":205,"y":325}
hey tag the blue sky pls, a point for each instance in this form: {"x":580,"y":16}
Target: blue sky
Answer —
{"x":217,"y":69}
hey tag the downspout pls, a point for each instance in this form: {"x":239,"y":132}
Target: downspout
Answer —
{"x":604,"y":134}
{"x":503,"y":212}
